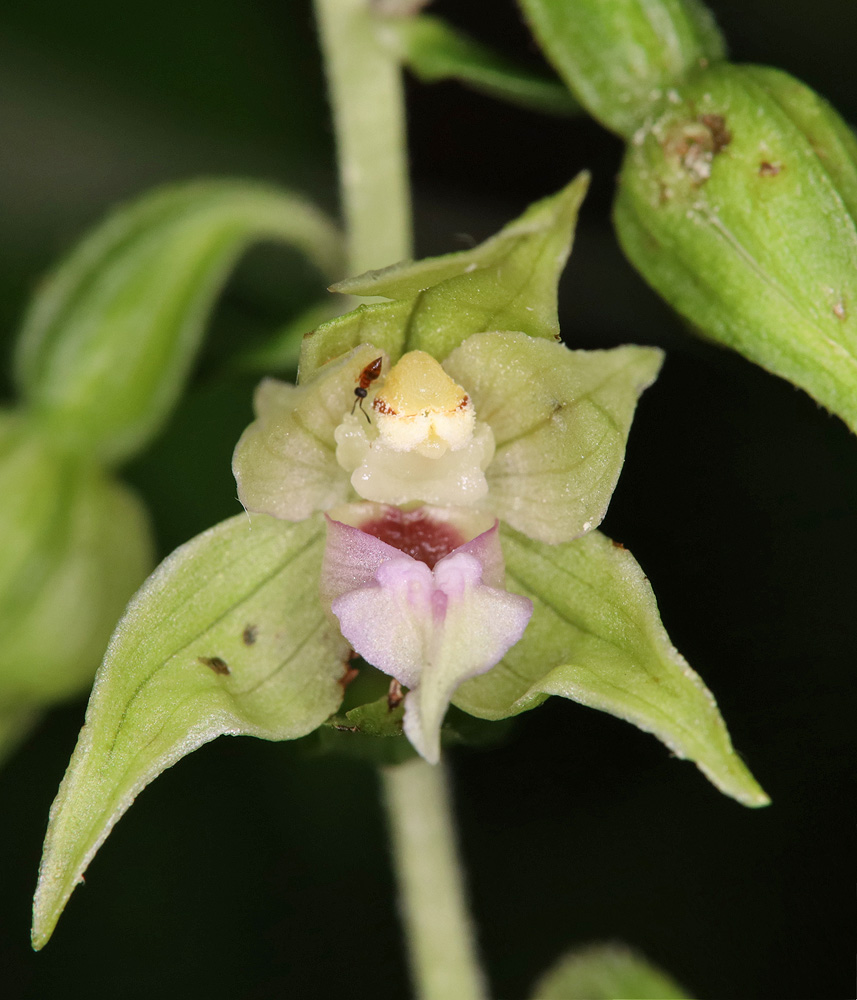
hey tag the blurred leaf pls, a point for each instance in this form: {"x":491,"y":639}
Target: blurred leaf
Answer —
{"x":619,"y":57}
{"x":110,"y":336}
{"x":560,"y":421}
{"x":596,"y":637}
{"x":509,"y":282}
{"x":607,"y":972}
{"x":227,"y":636}
{"x":280,"y":354}
{"x":15,"y":722}
{"x":75,"y":545}
{"x":435,"y":51}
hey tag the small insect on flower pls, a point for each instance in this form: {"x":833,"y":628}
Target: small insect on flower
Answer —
{"x":367,"y":377}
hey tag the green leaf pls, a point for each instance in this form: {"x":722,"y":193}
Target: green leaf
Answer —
{"x":227,"y":636}
{"x":619,"y":57}
{"x":435,"y":51}
{"x":596,"y":637}
{"x":607,"y":972}
{"x":509,"y":282}
{"x":560,"y":420}
{"x":76,"y":544}
{"x":110,"y":336}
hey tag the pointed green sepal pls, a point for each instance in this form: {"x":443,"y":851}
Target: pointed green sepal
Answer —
{"x":227,"y":636}
{"x":596,"y":637}
{"x":509,"y":282}
{"x":560,"y":421}
{"x":109,"y":338}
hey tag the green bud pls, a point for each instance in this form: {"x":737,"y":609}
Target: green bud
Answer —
{"x":737,"y":203}
{"x":619,"y":56}
{"x":75,"y":545}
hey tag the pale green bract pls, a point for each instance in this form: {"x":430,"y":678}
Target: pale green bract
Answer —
{"x":226,"y":637}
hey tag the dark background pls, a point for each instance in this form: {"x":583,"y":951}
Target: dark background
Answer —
{"x":257,"y":870}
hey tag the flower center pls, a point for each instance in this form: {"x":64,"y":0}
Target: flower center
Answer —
{"x":419,"y":408}
{"x":425,"y":443}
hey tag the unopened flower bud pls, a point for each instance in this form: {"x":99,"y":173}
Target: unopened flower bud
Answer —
{"x":619,"y":56}
{"x":737,"y":203}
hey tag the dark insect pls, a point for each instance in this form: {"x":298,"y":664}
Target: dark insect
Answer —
{"x":367,"y":377}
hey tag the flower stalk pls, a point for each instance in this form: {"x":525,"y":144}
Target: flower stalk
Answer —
{"x":434,"y":911}
{"x":365,"y":88}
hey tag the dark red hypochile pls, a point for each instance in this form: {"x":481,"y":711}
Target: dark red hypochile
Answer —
{"x":416,"y":534}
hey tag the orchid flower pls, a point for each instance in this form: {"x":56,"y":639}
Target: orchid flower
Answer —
{"x":427,"y":497}
{"x":415,"y":478}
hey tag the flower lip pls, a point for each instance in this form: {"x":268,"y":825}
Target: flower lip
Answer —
{"x":424,"y":533}
{"x":431,"y":628}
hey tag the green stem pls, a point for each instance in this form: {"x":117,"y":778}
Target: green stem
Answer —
{"x":434,"y":912}
{"x":365,"y":85}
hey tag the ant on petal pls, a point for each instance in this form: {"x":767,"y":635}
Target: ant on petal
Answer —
{"x":367,"y":377}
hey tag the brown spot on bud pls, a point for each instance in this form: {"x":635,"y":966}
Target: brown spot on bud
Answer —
{"x":250,"y":634}
{"x":696,"y":143}
{"x":839,"y":310}
{"x":769,"y":169}
{"x":720,"y":135}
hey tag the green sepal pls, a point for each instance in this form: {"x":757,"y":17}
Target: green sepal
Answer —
{"x":228,"y":636}
{"x":607,"y":972}
{"x":110,"y":335}
{"x":596,"y":637}
{"x":76,"y":544}
{"x":509,"y":282}
{"x":434,"y":51}
{"x":560,"y":420}
{"x":619,"y":57}
{"x":734,"y":205}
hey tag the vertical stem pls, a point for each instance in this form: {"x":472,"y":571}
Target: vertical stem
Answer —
{"x":365,"y":85}
{"x":442,"y":950}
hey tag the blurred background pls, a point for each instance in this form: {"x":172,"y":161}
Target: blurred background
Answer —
{"x":256,"y":870}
